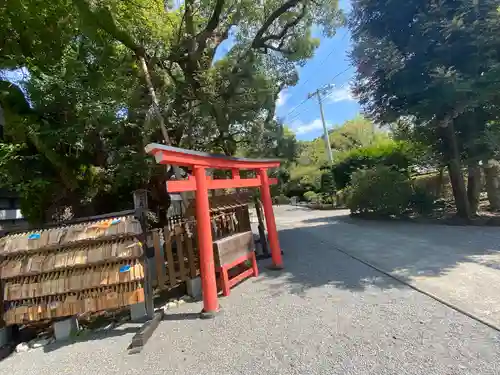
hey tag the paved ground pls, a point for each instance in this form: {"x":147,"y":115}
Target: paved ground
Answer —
{"x":460,"y":265}
{"x":327,"y":314}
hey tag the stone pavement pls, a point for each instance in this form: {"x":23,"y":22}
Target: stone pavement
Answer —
{"x":325,"y":314}
{"x":460,"y":265}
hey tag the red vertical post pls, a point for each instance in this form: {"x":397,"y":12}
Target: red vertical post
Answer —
{"x":270,"y":222}
{"x":205,"y":245}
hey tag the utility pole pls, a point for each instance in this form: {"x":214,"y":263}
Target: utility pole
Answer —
{"x":326,"y":138}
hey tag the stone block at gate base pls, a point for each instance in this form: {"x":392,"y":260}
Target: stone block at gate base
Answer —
{"x":193,"y":288}
{"x":138,"y":311}
{"x":5,"y":335}
{"x":65,"y":329}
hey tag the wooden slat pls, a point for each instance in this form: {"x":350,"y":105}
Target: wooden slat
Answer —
{"x":190,"y":254}
{"x":159,"y":260}
{"x":170,"y":257}
{"x":180,"y":251}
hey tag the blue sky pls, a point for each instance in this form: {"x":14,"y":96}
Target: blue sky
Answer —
{"x":329,"y":61}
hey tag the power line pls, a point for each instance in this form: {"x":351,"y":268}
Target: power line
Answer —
{"x":297,"y":115}
{"x":326,"y":58}
{"x":293,"y":110}
{"x":307,"y":80}
{"x":339,"y":74}
{"x":305,"y":100}
{"x":330,"y":94}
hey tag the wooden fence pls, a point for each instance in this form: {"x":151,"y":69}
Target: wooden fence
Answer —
{"x":175,"y":255}
{"x":176,"y":249}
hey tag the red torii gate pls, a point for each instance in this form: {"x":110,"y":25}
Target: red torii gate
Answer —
{"x":201,"y":183}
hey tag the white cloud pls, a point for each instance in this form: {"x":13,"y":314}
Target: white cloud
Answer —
{"x":301,"y":128}
{"x":341,"y":94}
{"x":282,"y":99}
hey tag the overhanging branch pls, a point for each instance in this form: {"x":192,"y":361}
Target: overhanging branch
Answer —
{"x":259,"y":36}
{"x":287,"y":27}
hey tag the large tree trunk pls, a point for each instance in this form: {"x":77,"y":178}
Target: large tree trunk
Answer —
{"x":492,"y":178}
{"x":455,"y":171}
{"x":473,"y":186}
{"x":440,"y":184}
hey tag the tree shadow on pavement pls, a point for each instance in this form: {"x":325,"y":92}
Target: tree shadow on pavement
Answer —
{"x":413,"y":249}
{"x":405,"y":250}
{"x":309,"y":263}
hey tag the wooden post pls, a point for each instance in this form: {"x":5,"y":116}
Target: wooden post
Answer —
{"x":159,"y":260}
{"x":141,"y":207}
{"x":261,"y":228}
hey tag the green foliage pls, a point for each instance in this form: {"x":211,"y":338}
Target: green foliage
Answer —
{"x":307,"y":174}
{"x":310,"y":196}
{"x":327,"y":182}
{"x":410,"y":57}
{"x":380,"y":190}
{"x":422,"y":200}
{"x":282,"y":199}
{"x":358,"y":132}
{"x":107,"y":77}
{"x":326,"y":198}
{"x":435,"y":66}
{"x":396,"y":155}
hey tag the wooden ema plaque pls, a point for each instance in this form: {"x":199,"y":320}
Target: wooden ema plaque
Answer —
{"x":71,"y":270}
{"x":232,"y":251}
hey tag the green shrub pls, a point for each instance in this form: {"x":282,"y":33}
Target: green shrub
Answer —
{"x":310,"y":196}
{"x":282,"y":199}
{"x":326,"y":198}
{"x":435,"y":184}
{"x":327,"y":181}
{"x":422,"y":201}
{"x":380,"y":190}
{"x":341,"y":197}
{"x":396,"y":155}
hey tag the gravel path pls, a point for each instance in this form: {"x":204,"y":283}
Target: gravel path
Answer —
{"x":326,"y":314}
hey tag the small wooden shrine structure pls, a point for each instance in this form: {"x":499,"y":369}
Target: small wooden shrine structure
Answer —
{"x":199,"y":162}
{"x":176,"y":246}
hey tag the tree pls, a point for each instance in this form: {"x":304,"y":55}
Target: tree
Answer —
{"x":108,"y":77}
{"x":308,"y":170}
{"x":410,"y":61}
{"x":270,"y":38}
{"x":358,"y":132}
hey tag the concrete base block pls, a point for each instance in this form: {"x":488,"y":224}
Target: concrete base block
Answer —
{"x":65,"y":329}
{"x":5,"y":335}
{"x":193,"y":287}
{"x":258,"y":247}
{"x":138,"y":311}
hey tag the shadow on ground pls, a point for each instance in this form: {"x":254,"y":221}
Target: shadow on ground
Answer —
{"x":312,"y":256}
{"x":118,"y":323}
{"x":92,"y":336}
{"x":309,"y":264}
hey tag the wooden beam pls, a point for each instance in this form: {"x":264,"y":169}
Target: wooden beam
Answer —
{"x":190,"y":184}
{"x":178,"y":156}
